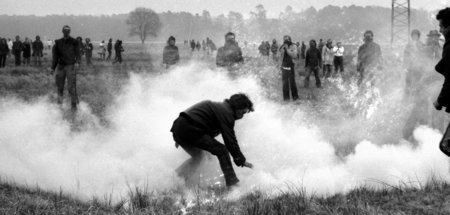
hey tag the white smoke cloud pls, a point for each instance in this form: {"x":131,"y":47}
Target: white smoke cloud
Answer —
{"x":39,"y":147}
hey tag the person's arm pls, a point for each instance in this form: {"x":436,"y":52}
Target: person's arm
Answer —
{"x":292,"y":51}
{"x":77,"y":52}
{"x":177,"y":55}
{"x":229,"y":137}
{"x":320,"y":59}
{"x":307,"y":59}
{"x":55,"y":55}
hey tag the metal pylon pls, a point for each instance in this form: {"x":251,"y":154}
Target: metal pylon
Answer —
{"x":400,"y":21}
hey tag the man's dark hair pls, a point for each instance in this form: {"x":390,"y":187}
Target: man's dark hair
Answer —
{"x":241,"y":101}
{"x":229,"y":34}
{"x":369,"y":32}
{"x":171,"y":38}
{"x":444,"y":15}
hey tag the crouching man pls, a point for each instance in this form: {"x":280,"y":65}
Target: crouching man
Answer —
{"x":195,"y":128}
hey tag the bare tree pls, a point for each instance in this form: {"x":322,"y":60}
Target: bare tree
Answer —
{"x":143,"y":22}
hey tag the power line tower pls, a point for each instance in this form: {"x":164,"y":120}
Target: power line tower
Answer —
{"x":400,"y":21}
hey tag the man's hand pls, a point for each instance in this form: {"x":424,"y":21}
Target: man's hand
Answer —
{"x":437,"y":105}
{"x":248,"y":165}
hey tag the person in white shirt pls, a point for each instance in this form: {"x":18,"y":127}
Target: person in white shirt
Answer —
{"x":338,"y":51}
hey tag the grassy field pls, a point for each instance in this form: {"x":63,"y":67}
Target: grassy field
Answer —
{"x":98,"y":85}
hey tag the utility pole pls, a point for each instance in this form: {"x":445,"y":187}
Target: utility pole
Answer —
{"x":400,"y":21}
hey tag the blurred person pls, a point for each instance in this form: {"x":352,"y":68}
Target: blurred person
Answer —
{"x":26,"y":52}
{"x":102,"y":50}
{"x":211,"y":46}
{"x":262,"y":48}
{"x":303,"y":50}
{"x":321,"y":45}
{"x":66,"y":61}
{"x":230,"y":54}
{"x":443,"y":68}
{"x":267,"y":49}
{"x":369,"y":58}
{"x":313,"y":63}
{"x":171,"y":55}
{"x":17,"y":49}
{"x":88,"y":47}
{"x":203,"y":45}
{"x":338,"y":60}
{"x":198,"y":46}
{"x":10,"y":45}
{"x":193,"y":45}
{"x":81,"y":47}
{"x":196,"y":128}
{"x":109,"y":49}
{"x":38,"y":48}
{"x":274,"y":49}
{"x":288,"y":53}
{"x":327,"y":58}
{"x":433,"y":48}
{"x":4,"y":50}
{"x":49,"y":44}
{"x":118,"y":49}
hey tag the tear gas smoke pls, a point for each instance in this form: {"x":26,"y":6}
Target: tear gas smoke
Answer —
{"x":288,"y":143}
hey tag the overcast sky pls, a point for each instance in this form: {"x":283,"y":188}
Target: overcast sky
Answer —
{"x":215,"y":7}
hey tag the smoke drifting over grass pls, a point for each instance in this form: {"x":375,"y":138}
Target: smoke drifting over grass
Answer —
{"x":283,"y":141}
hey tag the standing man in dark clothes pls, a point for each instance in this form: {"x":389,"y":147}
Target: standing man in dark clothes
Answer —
{"x":81,"y":47}
{"x":26,"y":51}
{"x":109,"y":49}
{"x":17,"y":50}
{"x":443,"y":67}
{"x":230,"y":54}
{"x":288,"y":52}
{"x":196,"y":128}
{"x":118,"y":49}
{"x":88,"y":47}
{"x":171,"y":56}
{"x":274,"y":50}
{"x":313,"y":62}
{"x":369,"y":57}
{"x":303,"y":50}
{"x":321,"y":45}
{"x":193,"y":45}
{"x":4,"y":51}
{"x":66,"y":58}
{"x":38,"y":48}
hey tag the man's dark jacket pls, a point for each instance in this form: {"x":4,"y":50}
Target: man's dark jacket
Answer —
{"x":171,"y":55}
{"x":38,"y":46}
{"x":213,"y":118}
{"x":228,"y":55}
{"x":369,"y":56}
{"x":17,"y":47}
{"x":66,"y":51}
{"x":443,"y":67}
{"x":313,"y":58}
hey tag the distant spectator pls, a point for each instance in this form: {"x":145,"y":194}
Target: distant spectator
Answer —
{"x":303,"y":50}
{"x":66,"y":56}
{"x":38,"y":48}
{"x":198,"y":46}
{"x":414,"y":61}
{"x":17,"y":50}
{"x":203,"y":45}
{"x":338,"y":61}
{"x":262,"y":48}
{"x":171,"y":56}
{"x":313,"y":62}
{"x":118,"y":49}
{"x":369,"y":57}
{"x":102,"y":50}
{"x":109,"y":49}
{"x":88,"y":47}
{"x":10,"y":45}
{"x":211,"y":47}
{"x":321,"y":45}
{"x":4,"y":50}
{"x":49,"y":44}
{"x":81,"y":47}
{"x":434,"y":49}
{"x":274,"y":50}
{"x":26,"y":51}
{"x":193,"y":45}
{"x":327,"y":58}
{"x":288,"y":52}
{"x":230,"y":54}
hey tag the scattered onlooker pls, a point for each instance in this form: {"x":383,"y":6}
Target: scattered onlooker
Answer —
{"x":66,"y":58}
{"x":26,"y":51}
{"x":288,"y":52}
{"x":327,"y":58}
{"x":313,"y":62}
{"x":434,"y":49}
{"x":17,"y":50}
{"x":88,"y":47}
{"x":109,"y":49}
{"x":303,"y":50}
{"x":413,"y":61}
{"x":369,"y":57}
{"x":171,"y":56}
{"x":198,"y":46}
{"x":81,"y":47}
{"x":118,"y":49}
{"x":102,"y":52}
{"x":230,"y":54}
{"x":38,"y":48}
{"x":4,"y":50}
{"x":193,"y":45}
{"x":338,"y":61}
{"x":10,"y":45}
{"x":321,"y":45}
{"x":274,"y":49}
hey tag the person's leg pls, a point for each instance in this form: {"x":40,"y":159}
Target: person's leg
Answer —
{"x":60,"y":79}
{"x":361,"y":77}
{"x":341,"y":65}
{"x":444,"y":145}
{"x":284,"y":77}
{"x":308,"y":73}
{"x":316,"y":75}
{"x":72,"y":85}
{"x":293,"y":84}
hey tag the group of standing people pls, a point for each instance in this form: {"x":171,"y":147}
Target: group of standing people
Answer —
{"x":22,"y":51}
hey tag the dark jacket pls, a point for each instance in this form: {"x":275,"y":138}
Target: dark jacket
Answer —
{"x":4,"y":49}
{"x":109,"y":48}
{"x":274,"y":48}
{"x":88,"y":47}
{"x":65,"y":52}
{"x":313,"y":58}
{"x":228,"y":55}
{"x":369,"y":55}
{"x":171,"y":55}
{"x":26,"y":49}
{"x":37,"y":46}
{"x":17,"y":47}
{"x":214,"y":118}
{"x":443,"y":67}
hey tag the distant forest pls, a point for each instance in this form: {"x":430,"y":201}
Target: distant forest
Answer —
{"x":340,"y":23}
